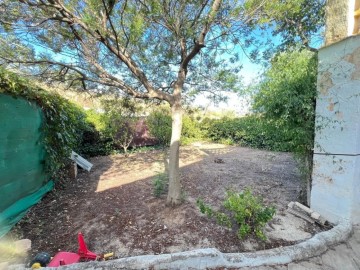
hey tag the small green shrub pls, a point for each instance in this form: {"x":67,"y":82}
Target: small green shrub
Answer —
{"x":101,"y":147}
{"x":159,"y":124}
{"x":97,"y":119}
{"x":120,"y":117}
{"x":190,"y":131}
{"x":244,"y":209}
{"x":159,"y":184}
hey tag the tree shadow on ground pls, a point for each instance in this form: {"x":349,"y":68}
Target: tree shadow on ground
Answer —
{"x":115,"y":208}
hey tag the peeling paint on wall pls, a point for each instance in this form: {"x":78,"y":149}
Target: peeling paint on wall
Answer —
{"x":354,"y":58}
{"x":336,"y":173}
{"x":325,"y":83}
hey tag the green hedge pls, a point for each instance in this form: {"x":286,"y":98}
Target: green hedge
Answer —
{"x":252,"y":131}
{"x":159,"y":123}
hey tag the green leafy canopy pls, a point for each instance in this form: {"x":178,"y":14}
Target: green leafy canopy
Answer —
{"x":135,"y":47}
{"x":287,"y":93}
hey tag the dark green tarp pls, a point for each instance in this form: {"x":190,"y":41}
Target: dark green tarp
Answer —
{"x":23,"y":180}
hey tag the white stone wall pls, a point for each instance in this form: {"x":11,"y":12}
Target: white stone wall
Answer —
{"x":336,"y":173}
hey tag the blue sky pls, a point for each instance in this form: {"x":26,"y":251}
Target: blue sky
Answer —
{"x":239,"y":104}
{"x":250,"y":73}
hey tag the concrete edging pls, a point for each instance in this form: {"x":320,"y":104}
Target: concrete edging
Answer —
{"x":212,"y":258}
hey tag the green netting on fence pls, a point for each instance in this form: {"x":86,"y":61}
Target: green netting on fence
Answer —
{"x":16,"y":211}
{"x":22,"y":176}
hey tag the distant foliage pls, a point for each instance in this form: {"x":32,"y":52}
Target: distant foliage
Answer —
{"x":114,"y":126}
{"x":284,"y":109}
{"x":64,"y":123}
{"x":96,"y":119}
{"x":159,"y":123}
{"x":94,"y":143}
{"x":287,"y":94}
{"x":119,"y":118}
{"x":251,"y":131}
{"x":191,"y":130}
{"x":245,"y":210}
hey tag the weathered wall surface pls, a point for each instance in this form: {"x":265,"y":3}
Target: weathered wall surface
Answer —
{"x":336,"y":173}
{"x":339,"y":20}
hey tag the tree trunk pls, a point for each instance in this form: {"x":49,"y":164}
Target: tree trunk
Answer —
{"x":174,"y":194}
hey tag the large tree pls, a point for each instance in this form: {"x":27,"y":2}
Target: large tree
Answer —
{"x":148,"y":49}
{"x":156,"y":49}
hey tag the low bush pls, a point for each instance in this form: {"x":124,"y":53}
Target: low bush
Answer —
{"x":120,"y":117}
{"x":245,"y":210}
{"x":252,"y":131}
{"x":159,"y":184}
{"x":159,"y":123}
{"x":100,"y":147}
{"x":96,"y":119}
{"x":112,"y":129}
{"x":191,"y":130}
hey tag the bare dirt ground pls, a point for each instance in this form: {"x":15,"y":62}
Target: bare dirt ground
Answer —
{"x":114,"y":206}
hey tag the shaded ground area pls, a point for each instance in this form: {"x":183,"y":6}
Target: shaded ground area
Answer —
{"x":114,"y":206}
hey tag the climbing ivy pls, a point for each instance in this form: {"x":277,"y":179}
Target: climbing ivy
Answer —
{"x":64,"y":121}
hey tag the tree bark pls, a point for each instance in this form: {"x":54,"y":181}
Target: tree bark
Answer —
{"x":174,"y":193}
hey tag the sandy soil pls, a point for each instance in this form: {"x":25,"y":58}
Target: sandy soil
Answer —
{"x":114,"y":207}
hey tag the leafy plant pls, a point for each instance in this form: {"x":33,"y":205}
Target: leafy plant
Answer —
{"x":287,"y":95}
{"x":159,"y":184}
{"x":120,"y":119}
{"x":245,"y":210}
{"x":159,"y":123}
{"x":101,"y":146}
{"x":97,"y":119}
{"x":191,"y":130}
{"x":252,"y":131}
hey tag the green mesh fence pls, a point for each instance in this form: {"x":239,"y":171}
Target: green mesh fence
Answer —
{"x":23,"y":180}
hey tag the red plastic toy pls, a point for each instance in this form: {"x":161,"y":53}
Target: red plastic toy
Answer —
{"x":64,"y":258}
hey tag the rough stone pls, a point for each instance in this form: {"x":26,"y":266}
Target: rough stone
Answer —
{"x":298,"y":257}
{"x":289,"y":228}
{"x":340,"y":258}
{"x":304,"y":266}
{"x":212,"y":258}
